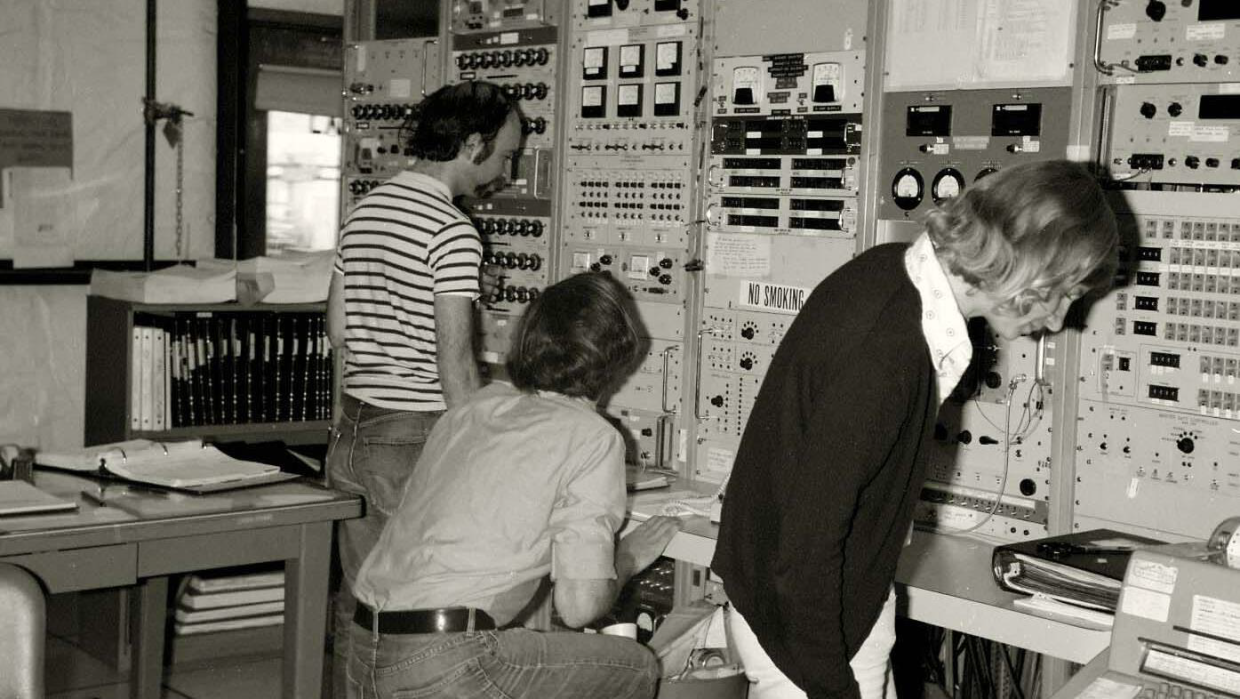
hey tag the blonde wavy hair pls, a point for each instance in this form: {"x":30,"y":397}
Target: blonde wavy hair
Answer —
{"x":1028,"y":232}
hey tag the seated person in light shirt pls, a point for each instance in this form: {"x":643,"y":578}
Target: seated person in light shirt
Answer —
{"x":521,"y":481}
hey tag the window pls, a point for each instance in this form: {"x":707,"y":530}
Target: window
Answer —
{"x":303,"y":181}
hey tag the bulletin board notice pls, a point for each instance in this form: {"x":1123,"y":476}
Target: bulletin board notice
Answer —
{"x":32,"y":138}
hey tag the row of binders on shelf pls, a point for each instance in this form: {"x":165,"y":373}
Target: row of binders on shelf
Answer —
{"x":231,"y":368}
{"x":211,"y":603}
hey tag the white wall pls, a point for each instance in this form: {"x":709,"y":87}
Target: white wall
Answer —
{"x":88,"y":57}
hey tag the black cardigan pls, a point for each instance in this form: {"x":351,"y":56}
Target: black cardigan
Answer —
{"x":832,"y":461}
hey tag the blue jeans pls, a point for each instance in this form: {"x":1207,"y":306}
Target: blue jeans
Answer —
{"x":372,"y":452}
{"x":512,"y":664}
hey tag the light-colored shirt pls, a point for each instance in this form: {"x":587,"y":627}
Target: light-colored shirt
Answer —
{"x":941,"y":321}
{"x":404,"y":244}
{"x":511,"y":486}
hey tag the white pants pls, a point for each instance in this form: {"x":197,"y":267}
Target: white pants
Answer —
{"x":871,"y":665}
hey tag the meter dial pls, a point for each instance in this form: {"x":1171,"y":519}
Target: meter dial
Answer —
{"x":984,"y":172}
{"x":946,"y":185}
{"x":908,"y":188}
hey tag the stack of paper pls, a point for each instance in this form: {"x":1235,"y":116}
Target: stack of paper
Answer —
{"x":206,"y":283}
{"x":219,"y":603}
{"x":290,"y":278}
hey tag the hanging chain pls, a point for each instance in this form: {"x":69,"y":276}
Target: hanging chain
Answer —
{"x":180,"y":192}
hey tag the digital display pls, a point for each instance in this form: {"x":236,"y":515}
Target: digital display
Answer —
{"x":1214,"y":10}
{"x":1023,"y":119}
{"x":1219,"y":107}
{"x":929,"y":120}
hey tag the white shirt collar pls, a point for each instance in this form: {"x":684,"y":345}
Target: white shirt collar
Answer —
{"x":943,"y":325}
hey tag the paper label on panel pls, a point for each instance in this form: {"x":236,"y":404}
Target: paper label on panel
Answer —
{"x":1153,"y":576}
{"x":667,"y":30}
{"x":400,"y":88}
{"x":1213,"y":31}
{"x":730,"y":255}
{"x":775,"y":298}
{"x":1217,"y":617}
{"x":1146,"y":604}
{"x":1121,"y":31}
{"x":719,"y":460}
{"x":607,"y":37}
{"x":1180,"y":128}
{"x":1210,"y":134}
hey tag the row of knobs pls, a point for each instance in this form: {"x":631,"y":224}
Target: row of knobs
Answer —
{"x":503,"y":59}
{"x":508,"y":226}
{"x":535,"y":125}
{"x":381,"y":112}
{"x":363,"y":186}
{"x":514,"y":260}
{"x":514,"y":294}
{"x":527,"y":91}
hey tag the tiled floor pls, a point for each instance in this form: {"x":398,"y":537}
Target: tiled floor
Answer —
{"x":72,"y":674}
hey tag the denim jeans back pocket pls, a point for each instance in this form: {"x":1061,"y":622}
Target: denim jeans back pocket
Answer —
{"x":384,"y":468}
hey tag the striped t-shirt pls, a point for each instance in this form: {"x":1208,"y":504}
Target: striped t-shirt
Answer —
{"x":403,"y":244}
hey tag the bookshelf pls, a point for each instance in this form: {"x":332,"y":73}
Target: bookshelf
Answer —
{"x":220,"y":372}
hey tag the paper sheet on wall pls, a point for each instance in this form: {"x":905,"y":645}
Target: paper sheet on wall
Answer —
{"x":979,"y":43}
{"x":945,"y":29}
{"x":1025,"y":40}
{"x":734,"y":255}
{"x":42,"y":224}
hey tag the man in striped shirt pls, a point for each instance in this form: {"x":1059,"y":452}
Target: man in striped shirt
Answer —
{"x":401,"y":308}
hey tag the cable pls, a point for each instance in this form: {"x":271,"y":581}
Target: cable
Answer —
{"x":1007,"y":457}
{"x":696,"y":505}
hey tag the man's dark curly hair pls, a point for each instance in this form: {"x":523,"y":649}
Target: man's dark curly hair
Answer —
{"x":450,"y":114}
{"x":579,"y":338}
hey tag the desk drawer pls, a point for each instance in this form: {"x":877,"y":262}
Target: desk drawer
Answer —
{"x":82,"y":569}
{"x":192,"y":553}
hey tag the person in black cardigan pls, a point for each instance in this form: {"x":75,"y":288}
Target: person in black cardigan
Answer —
{"x":820,"y":499}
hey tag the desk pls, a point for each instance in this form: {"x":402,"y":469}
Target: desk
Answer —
{"x":943,"y":580}
{"x":141,"y":537}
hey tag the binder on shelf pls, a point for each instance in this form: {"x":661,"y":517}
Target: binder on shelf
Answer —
{"x":187,"y":465}
{"x":145,"y":377}
{"x":135,"y":379}
{"x":1085,"y":569}
{"x":159,"y":353}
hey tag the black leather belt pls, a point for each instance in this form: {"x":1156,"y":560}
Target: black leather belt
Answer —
{"x":450,"y":620}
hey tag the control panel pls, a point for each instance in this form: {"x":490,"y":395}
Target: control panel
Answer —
{"x":492,"y":15}
{"x":989,"y":465}
{"x":633,"y":91}
{"x":604,"y":14}
{"x":523,"y":63}
{"x":936,"y":144}
{"x":383,"y":83}
{"x":1165,"y":41}
{"x":1159,"y":400}
{"x":782,"y":187}
{"x":1175,"y":133}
